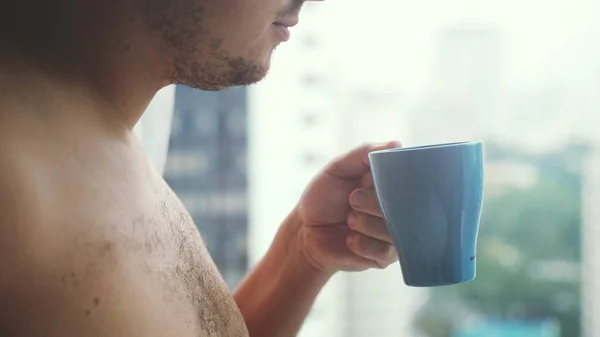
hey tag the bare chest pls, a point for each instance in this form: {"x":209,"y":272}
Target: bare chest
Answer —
{"x":180,"y":263}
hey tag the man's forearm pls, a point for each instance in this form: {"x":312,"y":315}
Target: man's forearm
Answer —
{"x":278,"y":294}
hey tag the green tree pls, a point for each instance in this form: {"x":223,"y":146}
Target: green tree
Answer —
{"x":528,"y":251}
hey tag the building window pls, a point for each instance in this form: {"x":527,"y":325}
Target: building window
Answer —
{"x":241,"y":162}
{"x":195,"y":203}
{"x":311,"y":80}
{"x":187,"y":163}
{"x":229,"y":203}
{"x":236,"y":122}
{"x":205,"y":123}
{"x":310,"y":41}
{"x":176,"y":126}
{"x":309,"y":119}
{"x":310,"y":158}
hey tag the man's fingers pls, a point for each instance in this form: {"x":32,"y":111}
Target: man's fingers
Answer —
{"x":364,"y":200}
{"x":381,"y":252}
{"x":369,"y":225}
{"x":367,"y":181}
{"x":355,"y":163}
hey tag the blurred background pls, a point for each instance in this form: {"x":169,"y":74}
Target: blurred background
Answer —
{"x":524,"y":76}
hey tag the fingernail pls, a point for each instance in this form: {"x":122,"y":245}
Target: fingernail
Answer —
{"x":351,"y":219}
{"x":358,"y":198}
{"x":394,"y":144}
{"x":379,"y":146}
{"x":350,"y":241}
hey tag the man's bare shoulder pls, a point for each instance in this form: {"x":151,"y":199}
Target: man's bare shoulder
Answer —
{"x":41,"y":274}
{"x":104,"y":246}
{"x":65,"y":270}
{"x":19,"y":200}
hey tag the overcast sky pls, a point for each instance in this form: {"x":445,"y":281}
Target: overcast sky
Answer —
{"x":544,"y":38}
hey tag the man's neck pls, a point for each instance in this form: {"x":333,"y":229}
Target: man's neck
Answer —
{"x":104,"y":59}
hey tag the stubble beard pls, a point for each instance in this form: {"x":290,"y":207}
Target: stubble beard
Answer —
{"x":194,"y":58}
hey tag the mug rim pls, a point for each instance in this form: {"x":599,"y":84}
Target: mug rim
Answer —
{"x":429,"y":147}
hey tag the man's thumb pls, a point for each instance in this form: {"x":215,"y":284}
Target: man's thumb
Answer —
{"x":355,"y":163}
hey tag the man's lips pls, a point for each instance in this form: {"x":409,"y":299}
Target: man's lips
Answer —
{"x":287,"y":22}
{"x":282,"y":25}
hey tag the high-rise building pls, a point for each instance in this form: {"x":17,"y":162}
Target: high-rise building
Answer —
{"x":206,"y":167}
{"x":590,"y":285}
{"x":466,"y":102}
{"x":469,"y":60}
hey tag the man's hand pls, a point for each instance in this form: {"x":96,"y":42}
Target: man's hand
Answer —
{"x":336,"y":226}
{"x":340,"y":225}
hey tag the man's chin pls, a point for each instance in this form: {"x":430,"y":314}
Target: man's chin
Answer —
{"x":229,"y":85}
{"x":237,"y":79}
{"x":235,"y":72}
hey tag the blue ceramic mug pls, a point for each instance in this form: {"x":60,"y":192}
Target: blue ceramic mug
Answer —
{"x":431,"y":198}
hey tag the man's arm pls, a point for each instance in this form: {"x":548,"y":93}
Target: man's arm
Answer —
{"x":278,"y":294}
{"x":336,"y":226}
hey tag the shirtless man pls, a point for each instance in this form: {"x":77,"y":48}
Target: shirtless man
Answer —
{"x":92,"y":240}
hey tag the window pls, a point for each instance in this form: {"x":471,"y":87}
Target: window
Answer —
{"x":241,"y":162}
{"x":310,"y":41}
{"x":205,"y":123}
{"x":236,"y":122}
{"x":310,"y":159}
{"x":228,"y":203}
{"x":176,"y":126}
{"x":311,"y":80}
{"x":310,"y":118}
{"x":187,"y":163}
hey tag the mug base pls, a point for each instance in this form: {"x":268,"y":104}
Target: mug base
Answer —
{"x":437,"y":284}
